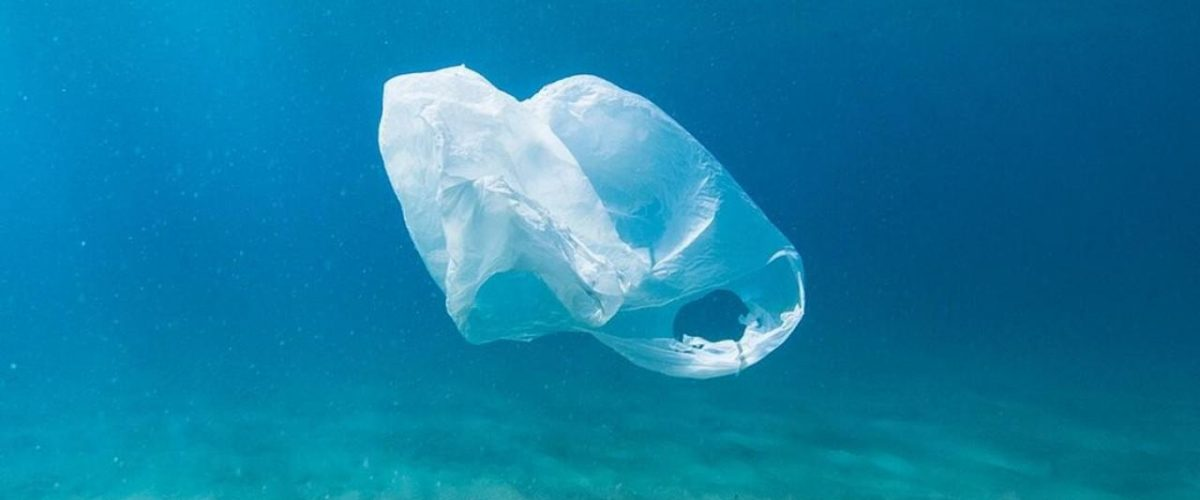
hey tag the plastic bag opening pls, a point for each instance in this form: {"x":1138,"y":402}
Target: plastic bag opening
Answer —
{"x":774,"y":298}
{"x":718,"y":315}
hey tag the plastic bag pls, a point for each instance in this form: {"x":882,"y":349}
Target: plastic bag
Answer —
{"x":584,"y":208}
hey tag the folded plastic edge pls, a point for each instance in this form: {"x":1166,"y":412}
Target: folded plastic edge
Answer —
{"x":694,"y":357}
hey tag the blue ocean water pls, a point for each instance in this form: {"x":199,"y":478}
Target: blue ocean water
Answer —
{"x":207,"y":289}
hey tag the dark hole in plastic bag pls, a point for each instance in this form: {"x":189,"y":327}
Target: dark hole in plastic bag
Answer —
{"x":713,"y":317}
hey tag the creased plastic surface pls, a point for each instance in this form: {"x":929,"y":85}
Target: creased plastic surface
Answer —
{"x":584,"y":208}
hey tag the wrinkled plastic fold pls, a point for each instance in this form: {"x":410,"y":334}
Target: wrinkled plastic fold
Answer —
{"x":584,"y":208}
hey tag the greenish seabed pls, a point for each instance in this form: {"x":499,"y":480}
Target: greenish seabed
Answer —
{"x":483,"y":437}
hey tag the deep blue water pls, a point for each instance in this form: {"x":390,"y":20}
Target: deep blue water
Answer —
{"x":206,"y":286}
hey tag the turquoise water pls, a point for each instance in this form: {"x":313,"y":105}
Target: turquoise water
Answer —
{"x":207,"y":289}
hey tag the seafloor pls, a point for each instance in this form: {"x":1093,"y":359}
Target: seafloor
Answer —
{"x":562,"y":418}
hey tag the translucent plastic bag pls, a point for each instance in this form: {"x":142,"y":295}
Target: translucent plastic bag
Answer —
{"x":584,"y":208}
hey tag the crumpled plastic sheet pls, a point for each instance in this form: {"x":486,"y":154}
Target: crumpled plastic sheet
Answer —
{"x":584,"y":208}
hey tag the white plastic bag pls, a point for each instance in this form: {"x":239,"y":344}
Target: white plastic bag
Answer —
{"x":584,"y":208}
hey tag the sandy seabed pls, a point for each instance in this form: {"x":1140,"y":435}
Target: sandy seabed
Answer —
{"x":636,"y":435}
